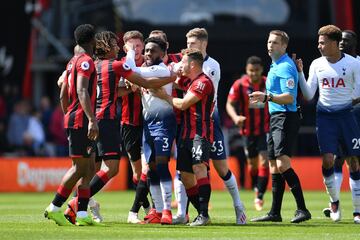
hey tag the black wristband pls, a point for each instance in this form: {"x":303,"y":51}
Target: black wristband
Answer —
{"x":270,"y":97}
{"x":265,"y":98}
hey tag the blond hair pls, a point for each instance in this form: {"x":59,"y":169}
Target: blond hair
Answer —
{"x":199,"y":33}
{"x":284,"y":37}
{"x":133,"y":35}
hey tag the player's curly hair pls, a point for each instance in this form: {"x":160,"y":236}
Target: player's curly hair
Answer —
{"x":84,"y":34}
{"x":332,"y":32}
{"x":103,"y":43}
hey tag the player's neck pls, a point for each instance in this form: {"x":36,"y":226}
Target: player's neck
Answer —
{"x":334,"y":57}
{"x":165,"y":58}
{"x":194,"y":74}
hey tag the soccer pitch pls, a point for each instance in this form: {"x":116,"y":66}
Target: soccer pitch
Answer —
{"x":21,"y":217}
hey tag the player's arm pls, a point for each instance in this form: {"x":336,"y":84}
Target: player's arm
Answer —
{"x":150,"y":82}
{"x":64,"y":98}
{"x":84,"y":99}
{"x":179,"y":103}
{"x":356,"y":92}
{"x":61,"y":79}
{"x":309,"y":87}
{"x":231,"y":110}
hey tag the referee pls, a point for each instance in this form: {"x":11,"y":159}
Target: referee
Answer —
{"x":281,"y":87}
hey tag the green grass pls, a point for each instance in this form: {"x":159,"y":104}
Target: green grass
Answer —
{"x":21,"y":217}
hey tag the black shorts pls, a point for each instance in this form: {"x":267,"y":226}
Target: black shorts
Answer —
{"x":191,"y":152}
{"x":132,"y":139}
{"x":255,"y":145}
{"x":80,"y":146}
{"x":108,"y":143}
{"x":284,"y":128}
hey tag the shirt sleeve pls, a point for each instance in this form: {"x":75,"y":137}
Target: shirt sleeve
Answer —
{"x":200,"y":88}
{"x":356,"y":92}
{"x":122,"y":69}
{"x":234,"y":94}
{"x":288,"y":79}
{"x":309,"y":87}
{"x":85,"y":67}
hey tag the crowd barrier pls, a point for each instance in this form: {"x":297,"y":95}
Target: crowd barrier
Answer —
{"x":44,"y":174}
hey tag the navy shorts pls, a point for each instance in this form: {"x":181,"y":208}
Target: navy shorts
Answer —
{"x":338,"y":129}
{"x":218,"y":146}
{"x":255,"y":145}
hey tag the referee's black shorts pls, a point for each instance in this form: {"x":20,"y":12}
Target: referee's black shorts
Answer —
{"x":284,"y":128}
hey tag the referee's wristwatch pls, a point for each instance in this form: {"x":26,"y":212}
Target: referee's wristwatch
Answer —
{"x":268,"y":98}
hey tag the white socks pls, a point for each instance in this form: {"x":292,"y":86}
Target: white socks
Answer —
{"x":355,"y":192}
{"x":331,"y":189}
{"x":232,"y":187}
{"x":53,"y":208}
{"x":338,"y":181}
{"x":166,"y":191}
{"x":155,"y":191}
{"x":180,"y":196}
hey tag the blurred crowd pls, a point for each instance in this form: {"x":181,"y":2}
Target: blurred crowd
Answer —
{"x":26,"y":130}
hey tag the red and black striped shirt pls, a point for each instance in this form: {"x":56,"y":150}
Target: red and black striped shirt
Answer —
{"x":109,"y":72}
{"x":131,"y":108}
{"x":178,"y":93}
{"x":198,"y":117}
{"x":257,"y":115}
{"x":79,"y":65}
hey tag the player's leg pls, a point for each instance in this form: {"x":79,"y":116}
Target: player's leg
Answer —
{"x":351,"y":136}
{"x":218,"y":155}
{"x":328,"y":133}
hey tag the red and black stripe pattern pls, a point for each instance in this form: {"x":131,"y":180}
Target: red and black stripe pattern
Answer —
{"x":79,"y":65}
{"x":109,"y":72}
{"x":131,"y":108}
{"x":198,"y":117}
{"x":257,"y":115}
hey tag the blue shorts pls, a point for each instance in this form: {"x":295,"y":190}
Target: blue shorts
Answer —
{"x":338,"y":129}
{"x":157,"y":142}
{"x":218,"y":146}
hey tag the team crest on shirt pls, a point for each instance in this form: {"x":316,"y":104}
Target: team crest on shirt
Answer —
{"x":344,"y":71}
{"x":85,"y":66}
{"x":126,"y":67}
{"x":212,"y":73}
{"x":290,"y":83}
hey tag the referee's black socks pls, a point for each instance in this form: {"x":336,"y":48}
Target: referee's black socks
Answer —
{"x":278,"y":187}
{"x":293,"y":181}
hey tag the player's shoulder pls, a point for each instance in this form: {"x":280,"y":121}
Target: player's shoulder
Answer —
{"x":85,"y":62}
{"x":350,"y":60}
{"x":211,"y":62}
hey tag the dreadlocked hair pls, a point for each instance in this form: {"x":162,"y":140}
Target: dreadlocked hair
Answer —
{"x":103,"y":43}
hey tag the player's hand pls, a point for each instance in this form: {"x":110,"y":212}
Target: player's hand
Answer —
{"x":93,"y":130}
{"x":129,"y":46}
{"x":298,"y":62}
{"x":257,"y":97}
{"x":134,"y":87}
{"x":239,"y":120}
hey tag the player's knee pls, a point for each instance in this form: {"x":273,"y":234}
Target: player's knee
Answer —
{"x":328,"y":160}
